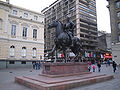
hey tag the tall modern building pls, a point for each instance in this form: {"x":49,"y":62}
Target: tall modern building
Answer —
{"x":21,"y":35}
{"x":114,"y":8}
{"x":82,"y":13}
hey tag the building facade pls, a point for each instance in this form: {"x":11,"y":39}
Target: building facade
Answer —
{"x":81,"y":12}
{"x":104,"y":46}
{"x":104,"y":41}
{"x":21,"y":33}
{"x":114,"y":8}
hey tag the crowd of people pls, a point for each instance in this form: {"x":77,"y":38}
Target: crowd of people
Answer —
{"x":36,"y":65}
{"x":92,"y":66}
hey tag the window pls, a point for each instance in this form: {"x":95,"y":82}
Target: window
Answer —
{"x":34,"y":53}
{"x":0,"y":51}
{"x":118,"y":15}
{"x":15,"y":12}
{"x":23,"y":62}
{"x":11,"y":62}
{"x":34,"y":33}
{"x":119,"y":26}
{"x":0,"y":24}
{"x":40,"y":57}
{"x":35,"y":17}
{"x":13,"y":30}
{"x":118,"y":4}
{"x":25,"y":14}
{"x":119,"y":38}
{"x":12,"y":51}
{"x":24,"y":32}
{"x":23,"y":51}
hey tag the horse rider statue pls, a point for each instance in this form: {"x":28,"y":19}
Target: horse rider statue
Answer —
{"x":65,"y":38}
{"x":69,"y":29}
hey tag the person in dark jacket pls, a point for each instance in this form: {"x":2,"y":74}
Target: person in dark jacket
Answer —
{"x":114,"y":66}
{"x":33,"y":65}
{"x":99,"y":66}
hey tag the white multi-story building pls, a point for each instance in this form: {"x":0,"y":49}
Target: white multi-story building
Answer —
{"x":21,"y":34}
{"x":82,"y":13}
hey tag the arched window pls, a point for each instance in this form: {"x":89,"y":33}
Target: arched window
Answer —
{"x":12,"y":51}
{"x":23,"y":51}
{"x":34,"y":53}
{"x":118,"y":4}
{"x":118,"y":15}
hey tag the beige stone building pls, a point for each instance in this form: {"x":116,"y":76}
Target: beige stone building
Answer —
{"x":21,"y":33}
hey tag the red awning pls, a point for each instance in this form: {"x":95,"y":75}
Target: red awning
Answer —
{"x":107,"y":56}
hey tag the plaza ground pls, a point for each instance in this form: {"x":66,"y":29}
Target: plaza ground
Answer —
{"x":7,"y":79}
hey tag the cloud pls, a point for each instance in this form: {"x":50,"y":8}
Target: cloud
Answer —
{"x":103,"y":18}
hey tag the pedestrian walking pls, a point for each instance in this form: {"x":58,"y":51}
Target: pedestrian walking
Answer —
{"x":39,"y":64}
{"x":89,"y":65}
{"x":33,"y":65}
{"x":108,"y":62}
{"x":93,"y":67}
{"x":114,"y":66}
{"x":99,"y":66}
{"x":36,"y":66}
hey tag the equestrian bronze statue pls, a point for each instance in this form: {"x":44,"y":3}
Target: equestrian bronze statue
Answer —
{"x":65,"y":39}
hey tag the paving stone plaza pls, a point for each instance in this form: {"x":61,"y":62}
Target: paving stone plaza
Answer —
{"x":7,"y":77}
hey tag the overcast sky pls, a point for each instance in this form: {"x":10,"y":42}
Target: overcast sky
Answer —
{"x":103,"y":19}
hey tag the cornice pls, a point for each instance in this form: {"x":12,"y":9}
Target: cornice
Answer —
{"x":19,"y":40}
{"x":26,"y":19}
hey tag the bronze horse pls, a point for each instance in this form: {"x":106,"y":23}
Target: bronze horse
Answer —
{"x":63,"y":40}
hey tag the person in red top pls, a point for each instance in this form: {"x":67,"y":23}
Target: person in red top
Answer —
{"x":93,"y":67}
{"x":89,"y":65}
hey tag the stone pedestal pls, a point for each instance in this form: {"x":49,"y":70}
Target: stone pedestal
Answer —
{"x":64,"y":68}
{"x":62,"y":76}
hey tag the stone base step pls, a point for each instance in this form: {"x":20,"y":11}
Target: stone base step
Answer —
{"x":61,"y":83}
